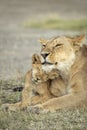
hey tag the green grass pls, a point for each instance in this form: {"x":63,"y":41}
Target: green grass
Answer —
{"x":66,"y":119}
{"x":55,"y":23}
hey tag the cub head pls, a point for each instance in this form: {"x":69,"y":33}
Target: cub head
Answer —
{"x":59,"y":52}
{"x":38,"y":75}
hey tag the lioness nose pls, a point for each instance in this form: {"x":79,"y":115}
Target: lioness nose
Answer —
{"x":44,"y":55}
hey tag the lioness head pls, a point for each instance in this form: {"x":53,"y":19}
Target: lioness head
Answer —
{"x":38,"y":75}
{"x":59,"y":52}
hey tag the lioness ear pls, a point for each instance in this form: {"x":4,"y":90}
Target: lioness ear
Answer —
{"x":41,"y":40}
{"x":78,"y":42}
{"x":36,"y":59}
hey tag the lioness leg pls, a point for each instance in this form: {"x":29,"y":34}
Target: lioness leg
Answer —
{"x":27,"y":91}
{"x":60,"y":102}
{"x":40,"y":98}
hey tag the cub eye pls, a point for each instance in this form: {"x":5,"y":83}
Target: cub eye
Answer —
{"x":44,"y":45}
{"x":38,"y":78}
{"x":58,"y":45}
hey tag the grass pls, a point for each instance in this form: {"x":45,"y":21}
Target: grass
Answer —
{"x":66,"y":119}
{"x":55,"y":23}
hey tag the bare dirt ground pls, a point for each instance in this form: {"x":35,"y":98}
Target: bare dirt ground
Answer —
{"x":17,"y":44}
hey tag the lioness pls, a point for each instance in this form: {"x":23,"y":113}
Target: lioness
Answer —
{"x":68,"y":56}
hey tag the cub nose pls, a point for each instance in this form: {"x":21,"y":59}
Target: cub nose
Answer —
{"x":44,"y":55}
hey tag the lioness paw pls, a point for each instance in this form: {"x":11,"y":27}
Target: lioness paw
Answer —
{"x":43,"y":109}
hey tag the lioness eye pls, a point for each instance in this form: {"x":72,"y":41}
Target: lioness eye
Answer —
{"x":58,"y":45}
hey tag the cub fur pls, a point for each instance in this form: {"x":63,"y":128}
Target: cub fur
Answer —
{"x":41,"y":79}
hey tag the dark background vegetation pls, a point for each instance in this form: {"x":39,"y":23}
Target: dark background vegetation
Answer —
{"x":22,"y":23}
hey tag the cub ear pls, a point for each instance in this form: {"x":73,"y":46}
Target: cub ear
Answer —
{"x":36,"y":59}
{"x":78,"y":41}
{"x":42,"y":41}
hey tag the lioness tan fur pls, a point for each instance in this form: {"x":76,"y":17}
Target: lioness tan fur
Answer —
{"x":68,"y":55}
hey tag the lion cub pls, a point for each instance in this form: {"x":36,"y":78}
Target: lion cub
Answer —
{"x":41,"y":79}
